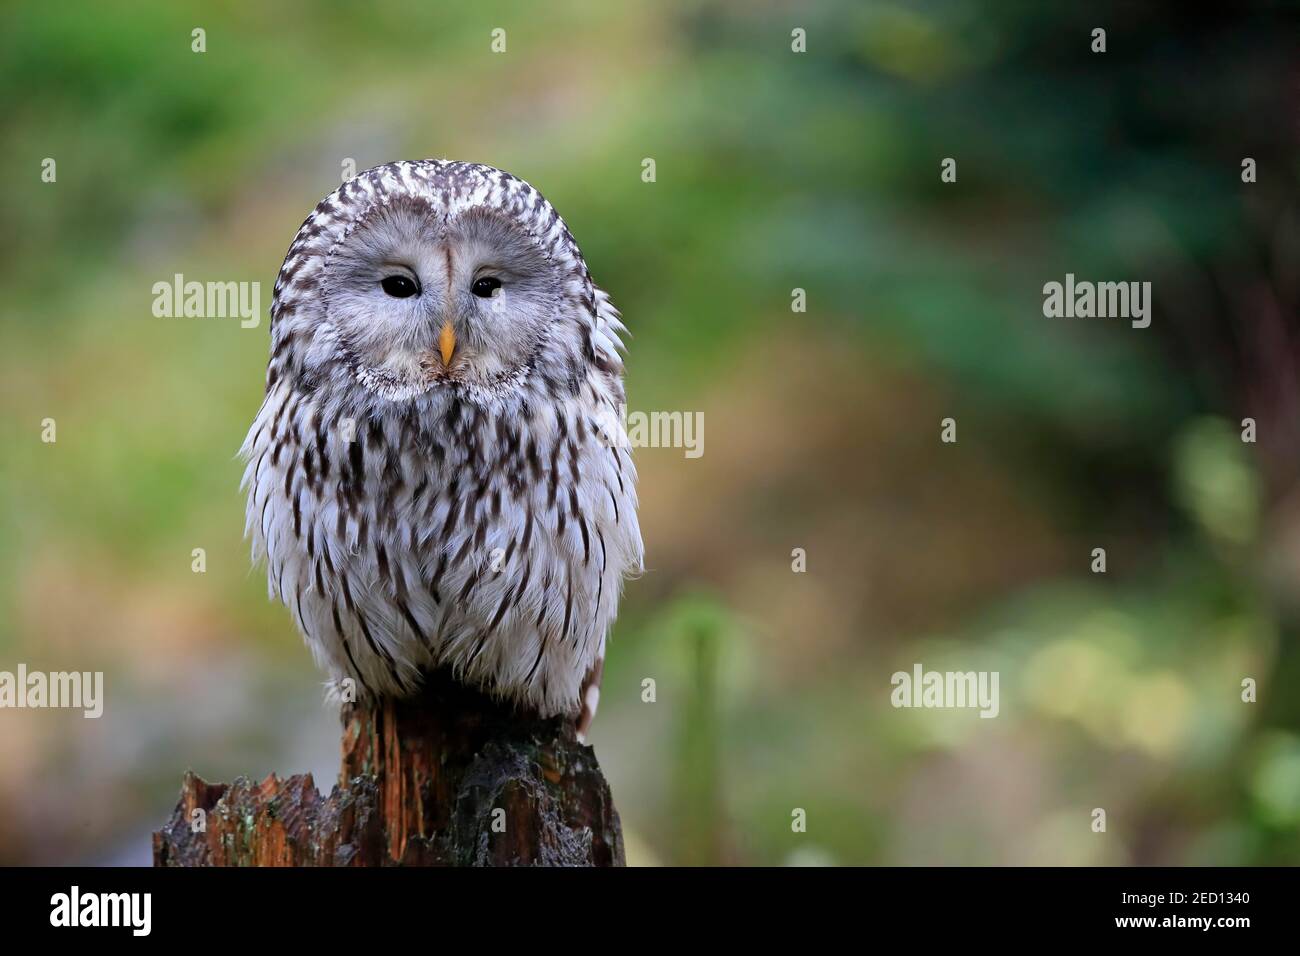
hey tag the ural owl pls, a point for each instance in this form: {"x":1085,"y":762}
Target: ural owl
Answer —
{"x":438,"y":476}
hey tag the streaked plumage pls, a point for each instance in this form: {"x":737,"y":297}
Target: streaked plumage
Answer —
{"x":509,"y":455}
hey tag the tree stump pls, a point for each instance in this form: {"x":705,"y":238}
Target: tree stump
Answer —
{"x":449,"y":778}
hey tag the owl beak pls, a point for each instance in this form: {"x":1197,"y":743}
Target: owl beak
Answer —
{"x":447,"y":343}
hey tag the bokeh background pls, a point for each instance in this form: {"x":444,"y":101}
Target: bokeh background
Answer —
{"x":775,"y":170}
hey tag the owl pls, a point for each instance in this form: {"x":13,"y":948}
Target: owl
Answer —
{"x":438,"y":476}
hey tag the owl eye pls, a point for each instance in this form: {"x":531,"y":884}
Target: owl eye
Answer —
{"x":484,"y":287}
{"x":399,"y":287}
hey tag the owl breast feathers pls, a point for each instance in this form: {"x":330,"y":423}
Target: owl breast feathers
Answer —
{"x":438,"y":476}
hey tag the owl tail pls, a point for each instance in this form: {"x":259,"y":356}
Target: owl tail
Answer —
{"x":590,"y":696}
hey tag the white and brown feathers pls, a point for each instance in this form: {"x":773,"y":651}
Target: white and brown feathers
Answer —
{"x":478,"y":513}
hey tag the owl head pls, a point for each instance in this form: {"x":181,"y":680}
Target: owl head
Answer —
{"x":418,"y":279}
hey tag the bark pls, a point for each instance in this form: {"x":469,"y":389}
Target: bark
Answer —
{"x":448,"y":778}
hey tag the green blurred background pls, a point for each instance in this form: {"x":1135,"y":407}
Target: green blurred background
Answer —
{"x":775,"y":170}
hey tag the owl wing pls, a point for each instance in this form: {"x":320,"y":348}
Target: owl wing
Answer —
{"x":608,"y":343}
{"x":609,"y":333}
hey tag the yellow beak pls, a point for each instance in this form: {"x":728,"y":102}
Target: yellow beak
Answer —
{"x":447,"y":342}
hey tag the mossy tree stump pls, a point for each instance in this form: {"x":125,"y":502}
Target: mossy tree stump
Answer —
{"x":448,"y":778}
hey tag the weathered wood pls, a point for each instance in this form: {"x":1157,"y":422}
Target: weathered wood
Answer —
{"x":448,"y":778}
